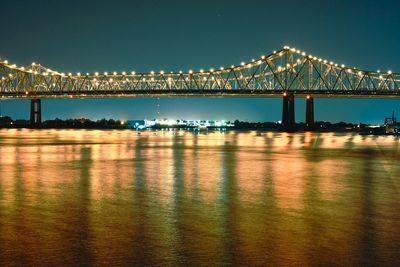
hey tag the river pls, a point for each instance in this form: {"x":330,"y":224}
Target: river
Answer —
{"x":114,"y":198}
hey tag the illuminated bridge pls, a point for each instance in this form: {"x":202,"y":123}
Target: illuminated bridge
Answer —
{"x":288,"y":72}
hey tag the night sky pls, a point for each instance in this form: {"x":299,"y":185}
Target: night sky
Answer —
{"x":90,"y":36}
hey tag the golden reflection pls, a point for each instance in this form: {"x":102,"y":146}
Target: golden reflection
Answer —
{"x":160,"y":170}
{"x":107,"y":197}
{"x":332,"y":173}
{"x":289,"y":172}
{"x":250,"y":175}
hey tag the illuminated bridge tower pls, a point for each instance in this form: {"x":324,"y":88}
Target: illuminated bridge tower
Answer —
{"x":288,"y":113}
{"x":36,"y":113}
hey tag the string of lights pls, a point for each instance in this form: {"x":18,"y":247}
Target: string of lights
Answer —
{"x":288,"y":69}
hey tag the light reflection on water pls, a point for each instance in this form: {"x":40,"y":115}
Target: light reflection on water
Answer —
{"x":71,"y":197}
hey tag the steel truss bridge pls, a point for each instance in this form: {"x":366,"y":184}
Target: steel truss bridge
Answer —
{"x":287,"y":72}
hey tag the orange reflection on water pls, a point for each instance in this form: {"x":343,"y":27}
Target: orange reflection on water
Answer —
{"x":111,"y":197}
{"x":289,"y":172}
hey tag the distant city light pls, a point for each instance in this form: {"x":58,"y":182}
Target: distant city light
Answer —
{"x":143,"y":124}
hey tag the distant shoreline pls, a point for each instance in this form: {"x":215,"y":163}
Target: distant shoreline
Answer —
{"x":111,"y":124}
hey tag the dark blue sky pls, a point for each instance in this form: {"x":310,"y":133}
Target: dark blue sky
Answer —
{"x":89,"y":36}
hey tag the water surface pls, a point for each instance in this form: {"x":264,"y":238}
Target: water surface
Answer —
{"x":81,"y":197}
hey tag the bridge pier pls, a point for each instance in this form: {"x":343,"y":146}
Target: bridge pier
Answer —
{"x":309,"y":113}
{"x":288,"y":113}
{"x":36,"y":113}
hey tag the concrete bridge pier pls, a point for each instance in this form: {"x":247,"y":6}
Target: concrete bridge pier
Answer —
{"x":288,"y":113}
{"x":36,"y":113}
{"x":309,"y":113}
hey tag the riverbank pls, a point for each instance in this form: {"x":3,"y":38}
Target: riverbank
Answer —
{"x":104,"y":124}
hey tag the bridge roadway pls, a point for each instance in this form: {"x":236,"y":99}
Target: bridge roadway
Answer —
{"x":286,"y":73}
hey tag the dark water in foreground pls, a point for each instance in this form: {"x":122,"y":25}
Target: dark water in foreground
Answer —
{"x":76,"y":197}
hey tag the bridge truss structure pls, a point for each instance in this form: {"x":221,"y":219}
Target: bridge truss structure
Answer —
{"x":287,"y":70}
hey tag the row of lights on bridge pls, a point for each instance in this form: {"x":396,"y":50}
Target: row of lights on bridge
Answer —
{"x":242,"y":64}
{"x":285,"y":94}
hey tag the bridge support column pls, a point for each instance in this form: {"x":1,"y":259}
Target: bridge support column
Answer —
{"x":288,"y":113}
{"x":36,"y":113}
{"x":309,"y":113}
